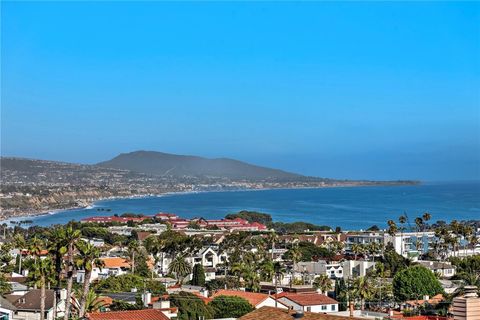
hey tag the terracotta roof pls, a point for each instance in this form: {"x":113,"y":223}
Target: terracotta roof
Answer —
{"x":147,"y":314}
{"x":252,"y":297}
{"x":433,"y":300}
{"x":115,"y":262}
{"x":310,"y":299}
{"x":269,"y":313}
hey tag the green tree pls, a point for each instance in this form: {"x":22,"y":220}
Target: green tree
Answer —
{"x":5,"y":287}
{"x":322,"y":283}
{"x":127,"y":282}
{"x":198,"y":275}
{"x":415,"y":282}
{"x":230,"y":307}
{"x":180,"y":267}
{"x":190,"y":306}
{"x":341,"y":294}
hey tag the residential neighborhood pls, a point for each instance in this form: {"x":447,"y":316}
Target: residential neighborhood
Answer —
{"x":167,"y":267}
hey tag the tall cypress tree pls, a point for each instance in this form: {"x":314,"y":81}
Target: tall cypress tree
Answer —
{"x":341,"y":294}
{"x":198,"y":276}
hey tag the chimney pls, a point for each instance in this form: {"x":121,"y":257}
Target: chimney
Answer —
{"x":467,"y":307}
{"x":146,"y":298}
{"x":63,"y":294}
{"x":298,"y":314}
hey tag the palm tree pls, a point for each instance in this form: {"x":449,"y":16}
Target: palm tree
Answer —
{"x":57,"y":249}
{"x":154,"y":246}
{"x":323,"y":283}
{"x":35,"y":247}
{"x":267,"y":270}
{"x":88,"y":257}
{"x":426,"y":217}
{"x":237,"y":269}
{"x":251,"y":277}
{"x":93,"y":303}
{"x":357,"y":249}
{"x":362,"y":289}
{"x":402,"y":219}
{"x":279,"y":274}
{"x":20,"y":243}
{"x":180,"y":267}
{"x":296,"y":255}
{"x":70,"y":237}
{"x":473,"y":240}
{"x":272,"y":239}
{"x":42,"y":272}
{"x":133,"y":249}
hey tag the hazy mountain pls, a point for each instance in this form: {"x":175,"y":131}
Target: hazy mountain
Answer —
{"x":158,"y":163}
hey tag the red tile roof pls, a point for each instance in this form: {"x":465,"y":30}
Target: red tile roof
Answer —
{"x":310,"y":299}
{"x":252,"y":297}
{"x":269,"y":313}
{"x":147,"y":314}
{"x":115,"y":262}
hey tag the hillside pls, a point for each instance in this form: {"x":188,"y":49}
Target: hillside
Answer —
{"x":164,"y":164}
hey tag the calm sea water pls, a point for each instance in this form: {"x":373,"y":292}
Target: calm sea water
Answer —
{"x":347,"y":207}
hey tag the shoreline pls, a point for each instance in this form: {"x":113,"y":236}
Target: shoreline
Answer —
{"x":92,"y":203}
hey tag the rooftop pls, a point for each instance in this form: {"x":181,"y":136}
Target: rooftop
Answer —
{"x":309,"y":299}
{"x":252,"y":297}
{"x":269,"y":313}
{"x":147,"y":314}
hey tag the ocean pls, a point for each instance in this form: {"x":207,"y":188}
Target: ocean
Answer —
{"x":351,"y":208}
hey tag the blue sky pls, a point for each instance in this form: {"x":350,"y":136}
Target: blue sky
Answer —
{"x":345,"y":90}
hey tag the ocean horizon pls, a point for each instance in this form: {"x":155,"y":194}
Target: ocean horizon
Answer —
{"x":351,"y":208}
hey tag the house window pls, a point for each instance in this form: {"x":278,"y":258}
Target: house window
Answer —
{"x":333,"y":307}
{"x":309,"y":309}
{"x":324,"y":307}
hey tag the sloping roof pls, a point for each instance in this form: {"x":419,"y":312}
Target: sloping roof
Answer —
{"x":31,"y":300}
{"x":269,"y":313}
{"x":310,"y":299}
{"x":252,"y":297}
{"x":5,"y":304}
{"x":146,"y":314}
{"x":115,"y":262}
{"x":433,"y":300}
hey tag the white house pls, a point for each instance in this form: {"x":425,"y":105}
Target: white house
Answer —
{"x":257,"y":300}
{"x":311,"y":302}
{"x":356,"y":268}
{"x":113,"y":266}
{"x":444,"y":269}
{"x":316,"y":268}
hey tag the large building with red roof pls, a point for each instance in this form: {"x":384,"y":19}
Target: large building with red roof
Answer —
{"x":178,"y":223}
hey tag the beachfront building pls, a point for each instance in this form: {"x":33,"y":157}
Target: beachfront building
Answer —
{"x":411,"y":244}
{"x":362,"y":238}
